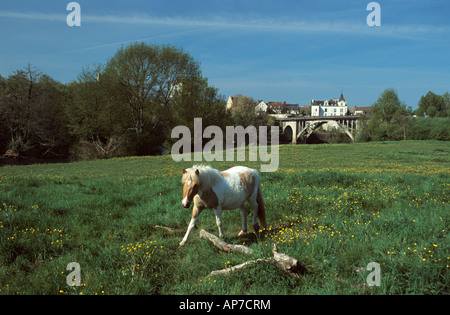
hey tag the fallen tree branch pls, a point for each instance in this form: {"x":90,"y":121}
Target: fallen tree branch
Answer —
{"x":287,"y":263}
{"x":166,"y":228}
{"x":229,"y":248}
{"x":290,"y":265}
{"x":238,"y":267}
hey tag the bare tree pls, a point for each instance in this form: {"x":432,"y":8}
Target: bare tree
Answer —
{"x":19,"y":100}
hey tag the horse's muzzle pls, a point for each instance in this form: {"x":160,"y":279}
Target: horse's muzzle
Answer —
{"x":186,"y":205}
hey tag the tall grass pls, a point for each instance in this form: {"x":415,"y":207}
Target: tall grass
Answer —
{"x":335,"y":208}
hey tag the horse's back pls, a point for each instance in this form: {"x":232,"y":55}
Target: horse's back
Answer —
{"x":241,"y":169}
{"x":240,"y":183}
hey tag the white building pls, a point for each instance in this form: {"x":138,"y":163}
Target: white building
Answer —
{"x":332,"y":107}
{"x":261,"y":107}
{"x":229,"y":103}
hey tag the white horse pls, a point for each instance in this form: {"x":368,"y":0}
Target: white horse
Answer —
{"x":210,"y":189}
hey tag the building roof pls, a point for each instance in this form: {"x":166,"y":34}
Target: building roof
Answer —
{"x":322,"y":103}
{"x":331,"y":102}
{"x":353,"y":109}
{"x":281,"y":105}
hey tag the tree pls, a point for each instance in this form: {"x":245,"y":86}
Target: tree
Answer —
{"x":32,"y":116}
{"x":389,"y":120}
{"x":19,"y":99}
{"x":147,"y":77}
{"x":243,"y":112}
{"x":446,"y":111}
{"x":243,"y":106}
{"x":3,"y":125}
{"x":49,"y":125}
{"x":195,"y":98}
{"x":97,"y":114}
{"x":431,"y":104}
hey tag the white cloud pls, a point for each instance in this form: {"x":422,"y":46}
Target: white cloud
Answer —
{"x":246,"y":23}
{"x":32,"y":16}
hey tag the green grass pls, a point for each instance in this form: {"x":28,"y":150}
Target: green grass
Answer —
{"x":335,"y":208}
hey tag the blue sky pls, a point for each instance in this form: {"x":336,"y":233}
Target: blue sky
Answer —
{"x":280,"y":50}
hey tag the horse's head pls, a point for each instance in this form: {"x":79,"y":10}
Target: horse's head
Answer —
{"x":190,"y":184}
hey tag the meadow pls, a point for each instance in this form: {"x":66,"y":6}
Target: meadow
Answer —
{"x":335,"y":208}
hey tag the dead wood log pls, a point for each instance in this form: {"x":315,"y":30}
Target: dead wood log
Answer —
{"x":166,"y":228}
{"x":229,"y":248}
{"x":287,"y":263}
{"x":238,"y":267}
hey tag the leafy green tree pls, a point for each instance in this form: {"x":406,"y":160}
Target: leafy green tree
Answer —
{"x":96,"y":114}
{"x":147,"y":77}
{"x":430,"y":129}
{"x":431,"y":104}
{"x":446,"y":112}
{"x":389,"y":120}
{"x":195,"y":98}
{"x":50,"y":133}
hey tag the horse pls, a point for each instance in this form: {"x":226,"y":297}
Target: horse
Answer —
{"x":208,"y":188}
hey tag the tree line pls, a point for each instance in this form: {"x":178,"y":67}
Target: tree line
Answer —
{"x":391,"y":119}
{"x":124,"y":107}
{"x":129,"y":106}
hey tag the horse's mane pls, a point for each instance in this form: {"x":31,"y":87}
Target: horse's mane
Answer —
{"x":207,"y":177}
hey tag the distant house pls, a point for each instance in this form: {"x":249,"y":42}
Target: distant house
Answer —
{"x":283,"y":108}
{"x":261,"y":107}
{"x":330,"y":107}
{"x":229,"y":102}
{"x":358,"y":111}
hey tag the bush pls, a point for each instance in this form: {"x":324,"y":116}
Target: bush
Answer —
{"x":430,"y":129}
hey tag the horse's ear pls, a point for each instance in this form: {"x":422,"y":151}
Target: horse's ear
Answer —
{"x":197,"y":172}
{"x":184,"y":171}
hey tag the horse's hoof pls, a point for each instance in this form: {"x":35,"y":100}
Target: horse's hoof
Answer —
{"x":242,"y":233}
{"x":182,"y":243}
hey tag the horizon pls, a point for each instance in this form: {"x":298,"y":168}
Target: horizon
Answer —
{"x":291,"y":51}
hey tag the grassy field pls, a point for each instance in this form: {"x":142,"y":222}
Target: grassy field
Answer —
{"x":336,"y":208}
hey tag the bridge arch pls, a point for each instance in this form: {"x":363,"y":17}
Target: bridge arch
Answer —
{"x":288,"y":132}
{"x":303,"y":127}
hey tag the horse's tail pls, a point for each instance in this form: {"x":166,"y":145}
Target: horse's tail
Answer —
{"x":261,"y":209}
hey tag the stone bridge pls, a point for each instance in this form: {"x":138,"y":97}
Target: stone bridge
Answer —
{"x":302,"y":127}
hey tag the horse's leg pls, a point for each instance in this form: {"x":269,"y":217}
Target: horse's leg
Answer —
{"x":255,"y":213}
{"x":244,"y":220}
{"x":218,"y":213}
{"x":196,"y":210}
